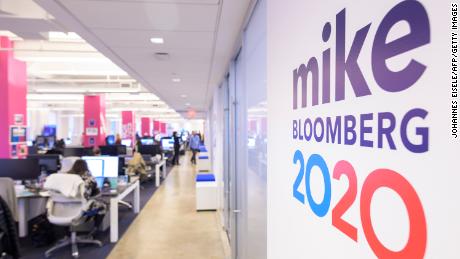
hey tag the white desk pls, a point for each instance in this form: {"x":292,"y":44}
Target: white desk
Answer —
{"x":162,"y":163}
{"x":133,"y":187}
{"x":30,"y":205}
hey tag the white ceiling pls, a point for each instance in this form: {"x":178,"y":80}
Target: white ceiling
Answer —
{"x":62,"y":67}
{"x":200,"y":36}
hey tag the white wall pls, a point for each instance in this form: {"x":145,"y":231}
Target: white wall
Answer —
{"x":215,"y":143}
{"x":68,"y":125}
{"x":415,"y":214}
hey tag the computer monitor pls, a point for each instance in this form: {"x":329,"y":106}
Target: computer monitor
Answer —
{"x":102,"y":166}
{"x":109,"y":150}
{"x":184,"y":138}
{"x":147,"y":141}
{"x":111,"y":164}
{"x":100,"y":182}
{"x":121,"y":165}
{"x":95,"y":166}
{"x":77,"y":151}
{"x":50,"y":140}
{"x":158,"y":137}
{"x":32,"y":150}
{"x":150,"y":150}
{"x":49,"y":130}
{"x":40,"y":141}
{"x":51,"y":163}
{"x":126,"y":142}
{"x":121,"y":150}
{"x":68,"y":141}
{"x":114,"y":150}
{"x":20,"y":169}
{"x":167,"y":143}
{"x":110,"y":140}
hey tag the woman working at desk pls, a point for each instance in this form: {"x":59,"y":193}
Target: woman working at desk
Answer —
{"x":136,"y":166}
{"x":81,"y":168}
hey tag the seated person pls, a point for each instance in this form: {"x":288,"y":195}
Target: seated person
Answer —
{"x":96,"y":151}
{"x":98,"y":208}
{"x":81,"y":168}
{"x":136,"y":166}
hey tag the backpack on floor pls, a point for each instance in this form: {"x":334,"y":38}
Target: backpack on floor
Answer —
{"x":42,"y":231}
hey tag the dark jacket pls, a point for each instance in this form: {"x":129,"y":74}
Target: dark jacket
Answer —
{"x":176,"y":143}
{"x":9,"y":237}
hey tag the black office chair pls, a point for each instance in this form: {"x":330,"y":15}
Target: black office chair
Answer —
{"x":2,"y":249}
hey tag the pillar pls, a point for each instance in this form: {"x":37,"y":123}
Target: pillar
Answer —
{"x":94,"y":122}
{"x":163,"y":128}
{"x":128,"y":126}
{"x":13,"y":103}
{"x":146,"y":126}
{"x":156,"y":127}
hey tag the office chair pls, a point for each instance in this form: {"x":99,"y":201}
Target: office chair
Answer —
{"x":8,"y":192}
{"x":69,"y":210}
{"x":67,"y":163}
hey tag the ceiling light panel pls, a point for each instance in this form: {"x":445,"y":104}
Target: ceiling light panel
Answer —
{"x":157,"y":40}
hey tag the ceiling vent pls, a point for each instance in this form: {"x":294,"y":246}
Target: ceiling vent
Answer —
{"x":126,"y":85}
{"x":162,"y":56}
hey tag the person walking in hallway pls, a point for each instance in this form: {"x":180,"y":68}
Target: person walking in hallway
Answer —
{"x":194,"y":146}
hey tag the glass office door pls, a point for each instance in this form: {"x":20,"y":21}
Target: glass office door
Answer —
{"x":226,"y":156}
{"x":232,"y":162}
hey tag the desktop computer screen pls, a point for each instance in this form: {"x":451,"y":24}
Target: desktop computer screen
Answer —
{"x":49,"y":130}
{"x":158,"y":137}
{"x":51,"y":163}
{"x":147,"y":141}
{"x":150,"y":150}
{"x":111,"y":166}
{"x":20,"y":169}
{"x":126,"y":142}
{"x":51,"y":140}
{"x":102,"y":166}
{"x":95,"y":166}
{"x":77,"y":151}
{"x":110,"y":140}
{"x":40,"y":141}
{"x":114,"y":150}
{"x":167,"y":143}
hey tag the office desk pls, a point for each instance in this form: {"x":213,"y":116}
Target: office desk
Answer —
{"x":24,"y":208}
{"x":160,"y":164}
{"x":120,"y":194}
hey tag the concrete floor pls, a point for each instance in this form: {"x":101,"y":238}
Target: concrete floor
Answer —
{"x":169,"y":227}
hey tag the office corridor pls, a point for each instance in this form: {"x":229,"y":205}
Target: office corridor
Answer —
{"x":169,"y":227}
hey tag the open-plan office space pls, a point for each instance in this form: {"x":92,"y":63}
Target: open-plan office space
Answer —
{"x":229,"y":129}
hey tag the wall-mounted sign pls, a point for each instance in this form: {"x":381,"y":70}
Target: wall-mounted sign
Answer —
{"x":19,"y":119}
{"x":18,"y":134}
{"x":91,"y":131}
{"x":361,"y":161}
{"x":92,"y":122}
